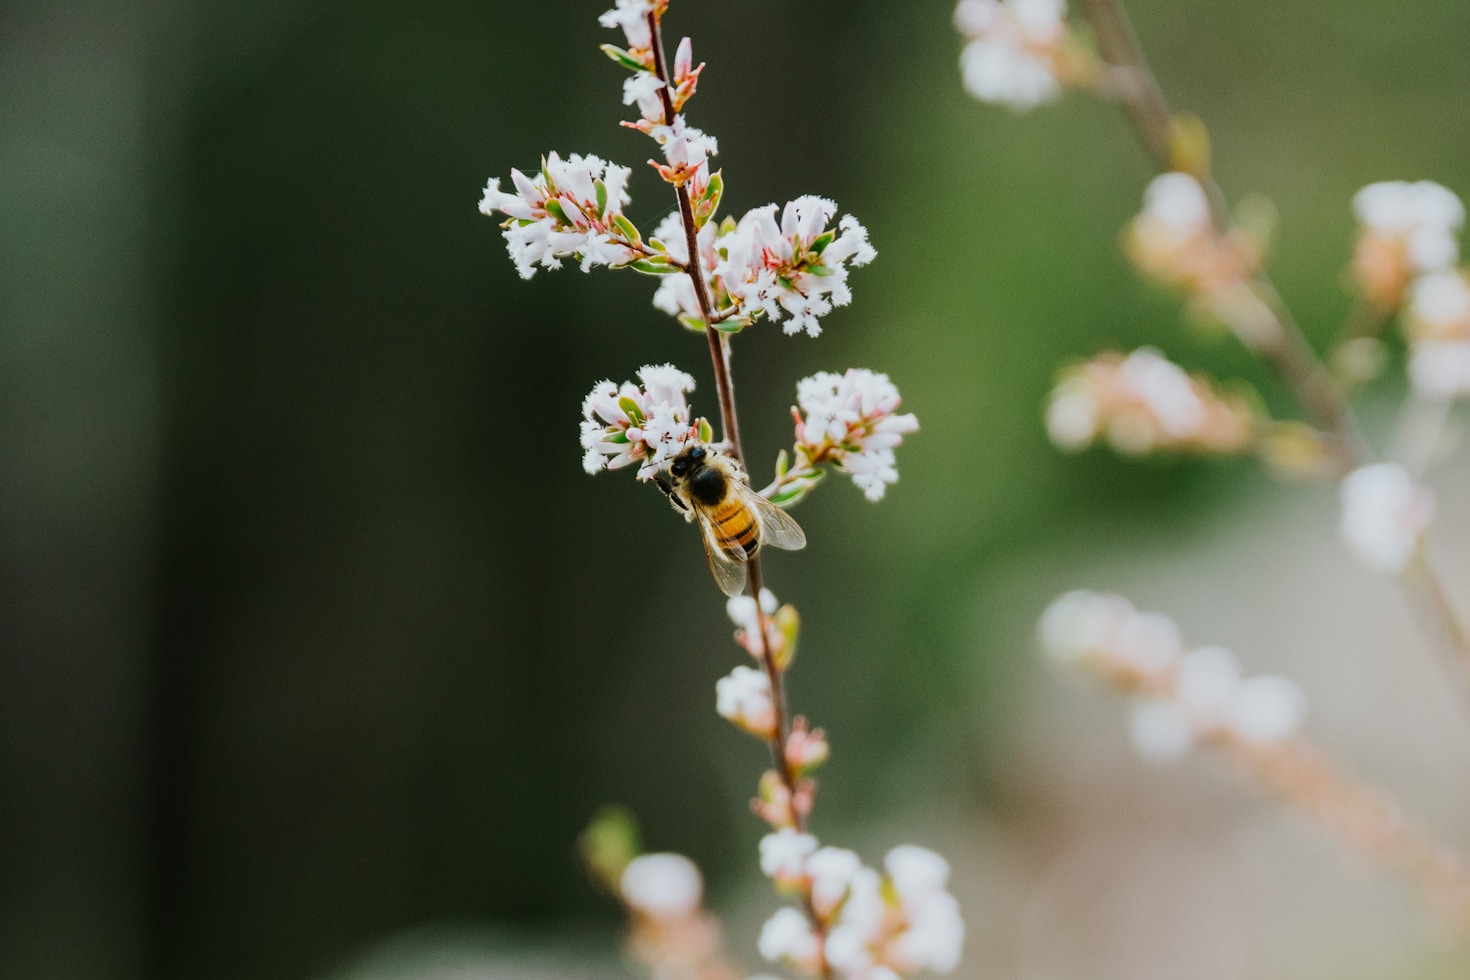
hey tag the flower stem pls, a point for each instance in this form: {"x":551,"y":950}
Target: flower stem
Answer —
{"x":719,"y":350}
{"x":1286,"y":348}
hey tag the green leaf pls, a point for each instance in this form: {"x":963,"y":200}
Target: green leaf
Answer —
{"x":554,"y":208}
{"x":691,"y":322}
{"x":654,"y":267}
{"x":817,"y":269}
{"x":601,"y":189}
{"x":608,"y":845}
{"x":733,"y":325}
{"x":823,"y":240}
{"x":789,"y":624}
{"x":629,"y":230}
{"x":782,"y":462}
{"x":706,"y":431}
{"x":622,"y":57}
{"x":629,"y":406}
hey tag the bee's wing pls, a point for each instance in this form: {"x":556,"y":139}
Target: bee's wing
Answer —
{"x":728,"y":569}
{"x":778,"y":528}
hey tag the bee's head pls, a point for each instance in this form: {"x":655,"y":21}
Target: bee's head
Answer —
{"x":686,"y":461}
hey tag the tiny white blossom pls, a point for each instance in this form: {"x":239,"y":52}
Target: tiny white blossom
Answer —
{"x":1267,"y":709}
{"x":794,"y":269}
{"x":644,"y":88}
{"x":1440,"y":368}
{"x":784,"y":852}
{"x":661,"y":885}
{"x":741,"y":610}
{"x":787,"y":936}
{"x":851,"y":419}
{"x":675,"y":293}
{"x":1426,"y":216}
{"x":916,"y":871}
{"x":1011,"y":57}
{"x":744,"y":698}
{"x":832,"y":870}
{"x":1207,"y":685}
{"x":654,"y":432}
{"x":934,"y":937}
{"x":1160,"y":729}
{"x":631,"y":16}
{"x":1384,"y":515}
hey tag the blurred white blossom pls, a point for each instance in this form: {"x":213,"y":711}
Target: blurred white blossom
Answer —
{"x":662,"y":885}
{"x":566,"y":210}
{"x":744,"y":698}
{"x":1384,"y":515}
{"x":647,"y":424}
{"x":1405,"y":230}
{"x":1144,"y":402}
{"x":1013,"y":51}
{"x":784,"y":853}
{"x":851,"y":420}
{"x":787,"y":937}
{"x":1437,"y":324}
{"x":1180,"y":696}
{"x":631,"y":17}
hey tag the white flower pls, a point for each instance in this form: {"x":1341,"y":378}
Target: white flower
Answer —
{"x":1424,"y":216}
{"x":1105,"y":631}
{"x":661,"y":885}
{"x":686,"y":150}
{"x":916,"y":871}
{"x":675,"y":293}
{"x":1384,"y":515}
{"x":644,"y":88}
{"x":632,"y":17}
{"x":795,"y":269}
{"x":1207,"y":685}
{"x":787,"y":936}
{"x":741,"y":610}
{"x":784,"y":852}
{"x":1440,"y":368}
{"x":566,"y":210}
{"x":1011,"y":57}
{"x":832,"y":870}
{"x":934,"y":937}
{"x":1267,"y":709}
{"x":851,"y":419}
{"x":744,"y":698}
{"x":1160,"y":728}
{"x":627,"y":424}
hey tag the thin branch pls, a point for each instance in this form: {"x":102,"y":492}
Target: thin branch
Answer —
{"x":719,"y":349}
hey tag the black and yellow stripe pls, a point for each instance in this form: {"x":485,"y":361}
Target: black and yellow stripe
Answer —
{"x":734,"y":526}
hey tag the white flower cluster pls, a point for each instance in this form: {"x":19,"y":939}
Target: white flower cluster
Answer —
{"x":647,"y":424}
{"x":1405,"y":230}
{"x":1384,"y":515}
{"x":793,"y":269}
{"x":569,"y":209}
{"x":662,"y":886}
{"x":877,"y":926}
{"x":1144,"y":402}
{"x":1174,"y":240}
{"x":1180,"y":696}
{"x":851,"y":419}
{"x":1013,"y":50}
{"x":631,"y":16}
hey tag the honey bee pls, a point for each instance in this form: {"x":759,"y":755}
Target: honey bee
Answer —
{"x":734,"y":520}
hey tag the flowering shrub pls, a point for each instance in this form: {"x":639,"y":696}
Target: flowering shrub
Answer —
{"x":787,"y":264}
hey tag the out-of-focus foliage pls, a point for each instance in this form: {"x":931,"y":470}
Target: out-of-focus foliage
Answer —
{"x":312,"y":629}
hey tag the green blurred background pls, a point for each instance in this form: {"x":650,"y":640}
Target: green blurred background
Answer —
{"x":312,"y":630}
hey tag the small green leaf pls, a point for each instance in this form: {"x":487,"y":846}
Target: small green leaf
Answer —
{"x":789,"y":624}
{"x":706,"y":431}
{"x":691,"y":322}
{"x":823,"y":240}
{"x":733,"y":325}
{"x":601,"y":190}
{"x":629,"y":230}
{"x":654,"y":267}
{"x":554,"y":208}
{"x":608,"y":844}
{"x":630,"y":407}
{"x":817,"y":269}
{"x":622,"y":57}
{"x":782,"y":462}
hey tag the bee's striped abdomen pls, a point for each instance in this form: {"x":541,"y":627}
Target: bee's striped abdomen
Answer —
{"x":735,"y":526}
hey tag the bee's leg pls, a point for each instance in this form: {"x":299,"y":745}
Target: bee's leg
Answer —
{"x":669,"y":492}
